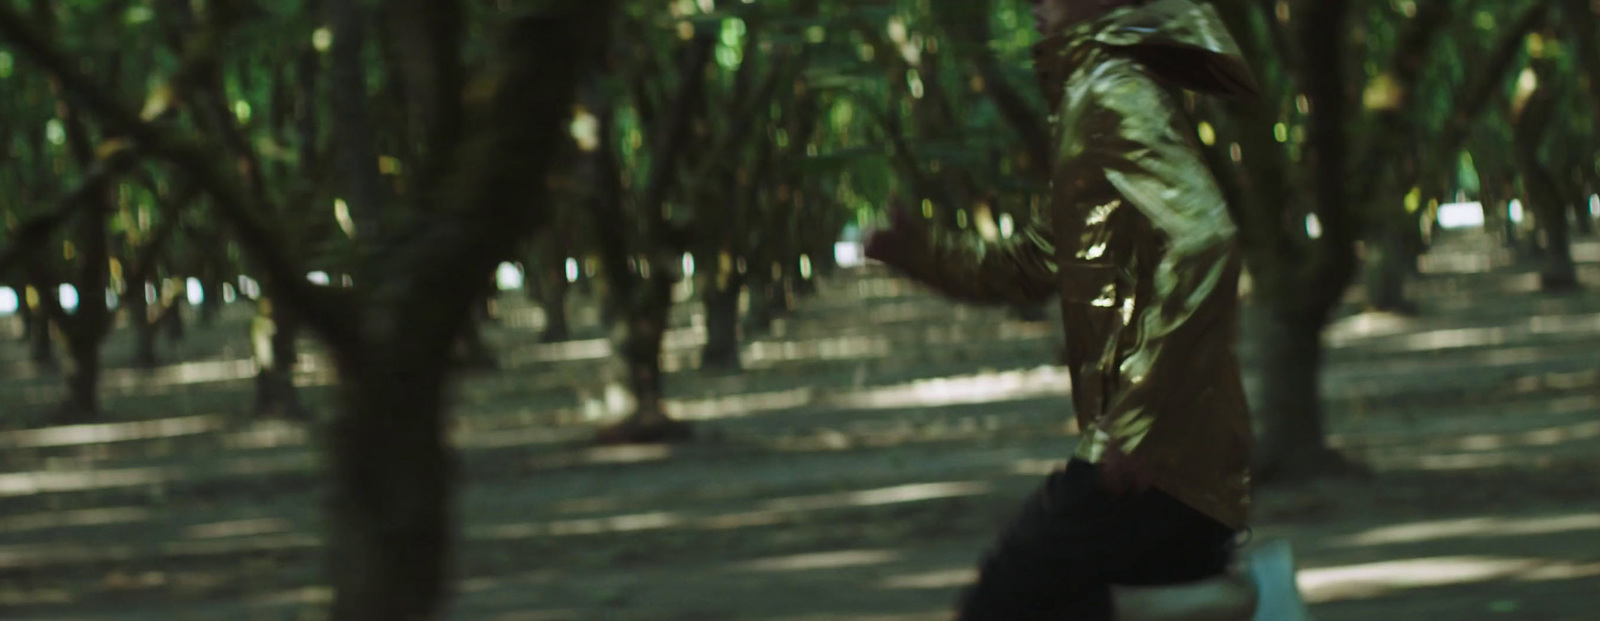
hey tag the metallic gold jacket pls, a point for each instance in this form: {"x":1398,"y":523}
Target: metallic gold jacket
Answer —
{"x":1140,"y":247}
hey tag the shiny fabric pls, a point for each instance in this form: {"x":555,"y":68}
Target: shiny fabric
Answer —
{"x":1139,"y":245}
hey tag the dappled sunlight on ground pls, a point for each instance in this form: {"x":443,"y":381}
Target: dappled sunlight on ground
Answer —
{"x":853,"y":471}
{"x":1368,"y":580}
{"x":820,"y":560}
{"x":769,"y":512}
{"x":1475,"y":527}
{"x":103,"y":433}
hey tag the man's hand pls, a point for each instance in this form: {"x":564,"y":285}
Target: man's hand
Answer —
{"x":1121,"y":473}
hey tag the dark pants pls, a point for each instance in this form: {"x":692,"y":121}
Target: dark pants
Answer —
{"x":1058,"y":559}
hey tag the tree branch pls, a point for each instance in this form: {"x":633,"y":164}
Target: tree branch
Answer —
{"x":283,"y":277}
{"x":34,"y":233}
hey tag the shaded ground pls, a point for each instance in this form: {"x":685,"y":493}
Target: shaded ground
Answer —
{"x":854,"y":472}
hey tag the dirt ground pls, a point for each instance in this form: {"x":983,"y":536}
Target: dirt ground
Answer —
{"x":853,"y":472}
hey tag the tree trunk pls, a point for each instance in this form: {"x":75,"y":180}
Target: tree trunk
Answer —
{"x":83,"y":378}
{"x":137,"y":307}
{"x":390,"y":512}
{"x":272,"y":338}
{"x":641,"y":355}
{"x":211,"y":303}
{"x":758,"y":314}
{"x":548,"y":288}
{"x":1388,"y":263}
{"x":1560,"y":272}
{"x":1288,"y":343}
{"x":472,"y":351}
{"x":172,"y":318}
{"x":721,"y":299}
{"x":41,"y":347}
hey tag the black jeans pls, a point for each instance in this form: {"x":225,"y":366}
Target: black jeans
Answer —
{"x":1058,"y":559}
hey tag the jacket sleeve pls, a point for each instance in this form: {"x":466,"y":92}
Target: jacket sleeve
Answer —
{"x":1152,"y":159}
{"x":1019,"y":269}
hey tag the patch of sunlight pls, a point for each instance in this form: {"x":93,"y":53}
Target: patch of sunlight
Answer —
{"x":10,"y":596}
{"x":1458,"y":338}
{"x":237,"y":545}
{"x":29,"y":483}
{"x":849,"y":254}
{"x":569,"y":351}
{"x":563,"y":614}
{"x":508,"y":276}
{"x":586,"y":526}
{"x":307,"y":596}
{"x":522,"y":580}
{"x":741,"y":405}
{"x":1453,"y":216}
{"x":102,"y":433}
{"x":1325,"y":584}
{"x":836,"y":348}
{"x":40,"y":482}
{"x":268,"y":434}
{"x":584,"y":505}
{"x":1541,"y":437}
{"x":941,"y":614}
{"x":1037,"y":466}
{"x":955,"y":390}
{"x":772,"y":512}
{"x":880,"y":496}
{"x":525,"y":436}
{"x":1478,"y":527}
{"x":236,"y":528}
{"x":938,"y":579}
{"x":1367,"y":325}
{"x":9,"y":302}
{"x":76,"y":517}
{"x":821,"y":560}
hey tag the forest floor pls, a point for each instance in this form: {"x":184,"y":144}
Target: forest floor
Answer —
{"x":854,"y":471}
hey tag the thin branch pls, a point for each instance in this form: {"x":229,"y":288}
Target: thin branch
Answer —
{"x":33,"y":234}
{"x":244,"y":212}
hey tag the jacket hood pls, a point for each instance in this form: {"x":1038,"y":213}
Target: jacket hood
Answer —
{"x":1181,"y":41}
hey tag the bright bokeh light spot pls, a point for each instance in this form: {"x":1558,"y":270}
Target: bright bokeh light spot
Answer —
{"x":848,"y":254}
{"x":1461,"y":216}
{"x":318,"y":278}
{"x":196,"y":293}
{"x":69,"y":297}
{"x":228,"y":294}
{"x":1594,"y":205}
{"x":1007,"y":225}
{"x":149,"y":293}
{"x":688,"y":265}
{"x":249,"y":287}
{"x":585,"y":129}
{"x":55,"y":132}
{"x":508,"y":276}
{"x":322,"y":39}
{"x":111,"y":299}
{"x":341,"y":212}
{"x":1313,"y":226}
{"x":572,"y":270}
{"x":1515,"y":211}
{"x":9,"y":303}
{"x":241,"y":109}
{"x":805,"y":266}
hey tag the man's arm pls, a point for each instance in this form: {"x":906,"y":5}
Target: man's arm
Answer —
{"x":1151,"y":158}
{"x":1020,"y":269}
